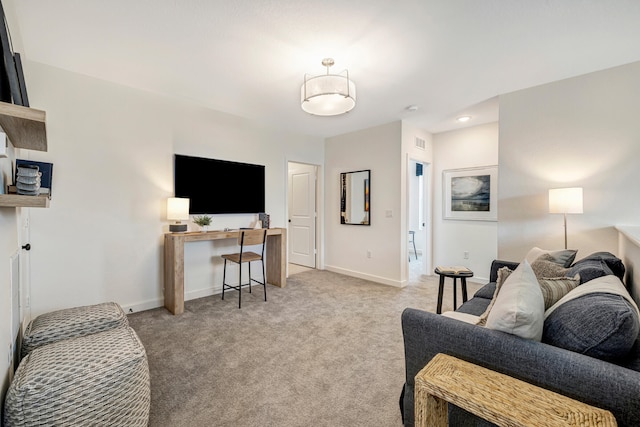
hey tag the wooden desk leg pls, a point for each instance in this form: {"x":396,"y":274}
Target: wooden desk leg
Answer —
{"x":277,"y":259}
{"x":174,"y":274}
{"x":440,"y":291}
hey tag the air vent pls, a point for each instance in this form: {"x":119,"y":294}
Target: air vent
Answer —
{"x":420,"y":143}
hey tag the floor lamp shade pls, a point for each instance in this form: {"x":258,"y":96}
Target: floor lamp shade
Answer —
{"x":565,"y":201}
{"x":177,"y":210}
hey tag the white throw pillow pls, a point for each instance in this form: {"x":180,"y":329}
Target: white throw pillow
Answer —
{"x":519,"y":306}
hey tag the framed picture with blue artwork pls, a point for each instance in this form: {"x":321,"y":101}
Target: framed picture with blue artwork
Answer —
{"x":471,"y":193}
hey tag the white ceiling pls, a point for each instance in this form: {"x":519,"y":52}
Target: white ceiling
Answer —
{"x":248,"y":57}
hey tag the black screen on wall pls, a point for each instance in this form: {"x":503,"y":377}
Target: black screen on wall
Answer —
{"x":219,"y":186}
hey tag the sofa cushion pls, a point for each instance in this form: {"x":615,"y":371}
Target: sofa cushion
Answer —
{"x":563,"y":257}
{"x":486,"y":291}
{"x":598,"y":319}
{"x":475,"y":306}
{"x":519,"y":307}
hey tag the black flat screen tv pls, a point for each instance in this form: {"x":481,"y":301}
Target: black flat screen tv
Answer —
{"x":219,"y":186}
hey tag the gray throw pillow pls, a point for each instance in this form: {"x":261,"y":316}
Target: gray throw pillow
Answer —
{"x":545,"y":267}
{"x":600,"y":325}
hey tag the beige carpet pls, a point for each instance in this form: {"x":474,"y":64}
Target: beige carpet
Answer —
{"x":324,"y":351}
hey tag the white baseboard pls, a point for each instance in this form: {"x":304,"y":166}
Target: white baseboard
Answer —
{"x":159,"y":302}
{"x":365,"y":276}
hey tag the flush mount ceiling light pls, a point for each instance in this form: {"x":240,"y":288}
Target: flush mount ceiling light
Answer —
{"x":328,"y":94}
{"x":463,"y":119}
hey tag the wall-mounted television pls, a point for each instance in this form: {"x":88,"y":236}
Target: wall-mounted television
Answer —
{"x":219,"y":186}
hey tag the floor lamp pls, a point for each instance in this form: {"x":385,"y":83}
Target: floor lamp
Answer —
{"x":565,"y":201}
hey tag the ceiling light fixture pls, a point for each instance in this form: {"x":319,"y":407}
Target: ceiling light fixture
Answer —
{"x":463,"y":119}
{"x":328,"y":94}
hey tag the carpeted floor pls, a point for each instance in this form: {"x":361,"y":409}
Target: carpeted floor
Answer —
{"x":324,"y":351}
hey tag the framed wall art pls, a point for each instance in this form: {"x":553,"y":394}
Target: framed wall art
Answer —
{"x":470,"y":194}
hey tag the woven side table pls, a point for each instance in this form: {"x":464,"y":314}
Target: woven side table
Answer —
{"x":495,"y":397}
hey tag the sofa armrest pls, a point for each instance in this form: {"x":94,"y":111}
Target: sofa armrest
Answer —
{"x":592,"y":381}
{"x":497,"y":265}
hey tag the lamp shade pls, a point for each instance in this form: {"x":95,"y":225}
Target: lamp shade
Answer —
{"x":328,"y":95}
{"x":177,"y":208}
{"x":565,"y":200}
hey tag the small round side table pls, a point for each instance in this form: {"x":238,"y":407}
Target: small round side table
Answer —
{"x":462,"y":275}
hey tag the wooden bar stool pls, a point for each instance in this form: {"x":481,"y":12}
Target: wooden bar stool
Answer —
{"x":246,"y":238}
{"x":456,"y":273}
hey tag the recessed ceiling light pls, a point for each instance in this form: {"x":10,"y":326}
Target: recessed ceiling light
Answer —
{"x":412,"y":108}
{"x":463,"y":119}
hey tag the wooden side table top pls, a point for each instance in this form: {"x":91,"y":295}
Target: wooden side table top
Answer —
{"x":446,"y":273}
{"x":496,"y":397}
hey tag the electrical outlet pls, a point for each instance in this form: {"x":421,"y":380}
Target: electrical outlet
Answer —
{"x":466,"y":254}
{"x":368,"y":254}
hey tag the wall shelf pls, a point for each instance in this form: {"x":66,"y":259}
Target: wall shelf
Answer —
{"x":20,"y":201}
{"x":24,"y":126}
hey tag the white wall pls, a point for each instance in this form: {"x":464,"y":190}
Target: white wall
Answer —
{"x":470,"y":147}
{"x":346,"y":246}
{"x":112,"y":148}
{"x":582,"y":132}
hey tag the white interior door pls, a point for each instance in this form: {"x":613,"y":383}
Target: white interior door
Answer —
{"x":302,"y":214}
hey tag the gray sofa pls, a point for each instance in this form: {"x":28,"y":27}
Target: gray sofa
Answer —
{"x":613,"y":385}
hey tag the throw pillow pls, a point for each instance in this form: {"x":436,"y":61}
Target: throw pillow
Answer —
{"x":555,"y":288}
{"x":589,"y":270}
{"x":503,"y":274}
{"x":561,"y":257}
{"x":598,"y":319}
{"x":545,"y":267}
{"x":519,"y":307}
{"x":614,"y":263}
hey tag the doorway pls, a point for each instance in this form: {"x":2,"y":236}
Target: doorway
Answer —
{"x":418,"y":207}
{"x":302,"y":214}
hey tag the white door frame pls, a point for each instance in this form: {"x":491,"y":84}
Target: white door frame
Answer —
{"x":319,"y":209}
{"x":427,"y":231}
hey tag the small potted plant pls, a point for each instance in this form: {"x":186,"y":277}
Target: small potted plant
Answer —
{"x":203,"y":221}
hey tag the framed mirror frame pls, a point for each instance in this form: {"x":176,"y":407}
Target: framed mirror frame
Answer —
{"x":355,"y":197}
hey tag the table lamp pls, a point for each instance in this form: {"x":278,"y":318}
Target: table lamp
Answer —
{"x":177,"y":210}
{"x":565,"y":201}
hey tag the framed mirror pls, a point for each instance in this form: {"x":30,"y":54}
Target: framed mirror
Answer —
{"x":355,"y":197}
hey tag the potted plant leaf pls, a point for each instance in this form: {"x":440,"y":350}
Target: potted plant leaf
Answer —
{"x":204,"y":221}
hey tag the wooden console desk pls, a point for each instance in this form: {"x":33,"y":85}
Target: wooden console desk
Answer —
{"x":276,"y":259}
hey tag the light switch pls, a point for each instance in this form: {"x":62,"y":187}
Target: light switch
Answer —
{"x":388,"y":213}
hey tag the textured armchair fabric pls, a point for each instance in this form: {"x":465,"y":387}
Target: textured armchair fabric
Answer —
{"x":100,"y":379}
{"x":72,"y":322}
